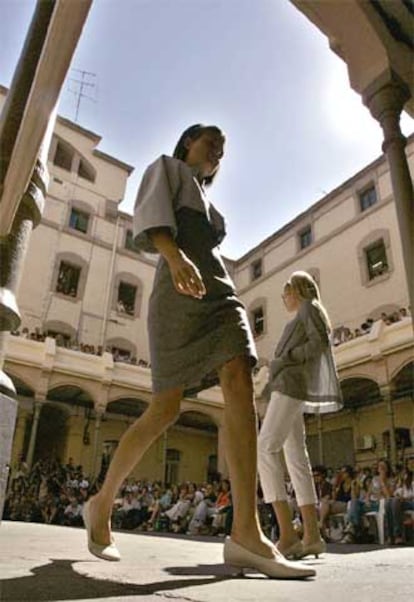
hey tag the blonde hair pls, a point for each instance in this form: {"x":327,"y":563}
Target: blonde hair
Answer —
{"x":306,"y":287}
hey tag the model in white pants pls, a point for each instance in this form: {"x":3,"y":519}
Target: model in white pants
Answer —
{"x":283,"y":429}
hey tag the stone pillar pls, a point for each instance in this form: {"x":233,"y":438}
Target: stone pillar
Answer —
{"x":386,"y":100}
{"x":164,"y":455}
{"x":387,"y":398}
{"x":320,"y":439}
{"x":96,"y":440}
{"x":33,"y":433}
{"x":221,"y":453}
{"x":27,"y":118}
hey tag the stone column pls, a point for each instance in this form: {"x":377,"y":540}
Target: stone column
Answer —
{"x":386,"y":100}
{"x":33,"y":433}
{"x":221,"y":454}
{"x":386,"y":395}
{"x":164,"y":455}
{"x":320,"y":439}
{"x":96,"y":440}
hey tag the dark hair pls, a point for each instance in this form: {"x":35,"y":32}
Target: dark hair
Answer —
{"x":194,"y":132}
{"x":320,"y":469}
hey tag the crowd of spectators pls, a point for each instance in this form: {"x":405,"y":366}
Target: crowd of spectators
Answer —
{"x":119,"y":355}
{"x":342,"y":334}
{"x":54,"y":493}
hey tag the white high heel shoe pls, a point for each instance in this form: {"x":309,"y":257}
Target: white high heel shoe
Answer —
{"x":108,"y":552}
{"x":295,"y":551}
{"x":276,"y":568}
{"x":315,"y":548}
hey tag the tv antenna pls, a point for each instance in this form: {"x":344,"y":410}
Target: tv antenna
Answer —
{"x":85,"y":81}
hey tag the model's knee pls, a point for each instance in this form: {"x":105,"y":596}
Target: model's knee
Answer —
{"x":236,"y":375}
{"x":164,"y":412}
{"x":268,"y":445}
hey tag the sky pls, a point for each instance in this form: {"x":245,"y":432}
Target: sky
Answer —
{"x":257,"y":68}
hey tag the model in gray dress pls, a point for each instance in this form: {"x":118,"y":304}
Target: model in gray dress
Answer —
{"x":189,"y":338}
{"x":196,"y":325}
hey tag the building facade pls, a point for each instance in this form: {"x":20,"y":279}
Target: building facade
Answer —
{"x":80,"y":359}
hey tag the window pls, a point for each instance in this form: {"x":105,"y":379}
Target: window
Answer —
{"x":172,"y":465}
{"x":376,"y":258}
{"x":126,"y":298}
{"x":62,"y":339}
{"x":130,"y":242}
{"x":79,"y":220}
{"x":86,"y":171}
{"x":256,"y":269}
{"x":367,"y":198}
{"x":63,"y":156}
{"x":68,"y":279}
{"x":120,"y":355}
{"x":258,"y":321}
{"x":305,"y":238}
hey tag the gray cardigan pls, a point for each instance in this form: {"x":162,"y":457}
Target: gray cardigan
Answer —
{"x":303,"y":366}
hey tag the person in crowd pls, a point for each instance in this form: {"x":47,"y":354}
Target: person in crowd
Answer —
{"x":179,"y":511}
{"x":208,"y":341}
{"x":367,"y":499}
{"x":303,"y":378}
{"x":341,"y":495}
{"x":73,"y":513}
{"x":395,"y":506}
{"x":203,"y":511}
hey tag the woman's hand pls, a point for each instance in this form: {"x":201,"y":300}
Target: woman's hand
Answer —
{"x":186,"y":276}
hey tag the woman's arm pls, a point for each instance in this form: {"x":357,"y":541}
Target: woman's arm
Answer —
{"x":185,"y":275}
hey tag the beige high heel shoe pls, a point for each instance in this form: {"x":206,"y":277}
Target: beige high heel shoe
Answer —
{"x":109,"y":552}
{"x":275,"y":568}
{"x":294,"y":551}
{"x":316,"y":548}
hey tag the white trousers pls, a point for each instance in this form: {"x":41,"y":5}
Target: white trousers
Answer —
{"x":283,"y":428}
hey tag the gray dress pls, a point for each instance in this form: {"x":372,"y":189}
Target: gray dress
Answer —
{"x":189,"y":338}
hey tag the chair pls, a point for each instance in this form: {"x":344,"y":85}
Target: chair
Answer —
{"x":380,"y":520}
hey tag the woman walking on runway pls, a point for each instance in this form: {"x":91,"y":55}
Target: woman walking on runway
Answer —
{"x":302,"y":379}
{"x":199,"y":335}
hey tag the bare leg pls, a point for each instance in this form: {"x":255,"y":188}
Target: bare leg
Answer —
{"x":162,"y":412}
{"x":284,"y":518}
{"x":310,"y":524}
{"x":240,"y":429}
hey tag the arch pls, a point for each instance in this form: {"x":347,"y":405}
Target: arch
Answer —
{"x":23,"y":387}
{"x":86,"y":170}
{"x":360,"y":392}
{"x":358,"y":374}
{"x":122,"y":343}
{"x":67,"y":157}
{"x":130,"y":279}
{"x":57,"y":326}
{"x":62,"y":153}
{"x":71,"y":394}
{"x":388,"y":308}
{"x":127,"y":406}
{"x":52,"y":432}
{"x":403,"y":381}
{"x":197,"y":420}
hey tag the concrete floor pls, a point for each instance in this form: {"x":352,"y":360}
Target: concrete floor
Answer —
{"x":50,"y":563}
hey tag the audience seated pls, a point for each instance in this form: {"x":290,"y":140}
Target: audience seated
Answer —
{"x":53,"y":493}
